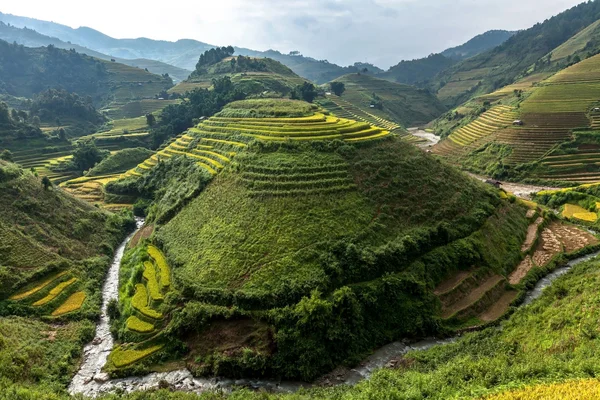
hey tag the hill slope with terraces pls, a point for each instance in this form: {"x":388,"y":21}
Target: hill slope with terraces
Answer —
{"x":406,"y":105}
{"x":557,"y":137}
{"x":319,"y":211}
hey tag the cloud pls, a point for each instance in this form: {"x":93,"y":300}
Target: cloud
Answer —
{"x":342,"y":31}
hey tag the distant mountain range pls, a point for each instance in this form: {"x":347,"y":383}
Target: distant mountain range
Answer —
{"x":180,"y":57}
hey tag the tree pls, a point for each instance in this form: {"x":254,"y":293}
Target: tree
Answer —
{"x":87,"y":155}
{"x":306,"y":92}
{"x":150,"y":119}
{"x":338,"y":88}
{"x":46,"y":183}
{"x":6,"y":155}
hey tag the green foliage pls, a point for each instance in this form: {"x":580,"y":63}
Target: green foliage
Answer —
{"x":306,"y":91}
{"x":52,"y":104}
{"x":264,"y":108}
{"x":213,"y":56}
{"x":120,"y":161}
{"x":175,"y":119}
{"x":337,"y":88}
{"x":87,"y":155}
{"x":170,"y":185}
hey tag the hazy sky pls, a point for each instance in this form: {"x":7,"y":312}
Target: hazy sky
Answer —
{"x":343,"y":31}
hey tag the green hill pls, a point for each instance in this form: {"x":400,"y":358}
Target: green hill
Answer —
{"x":307,"y":218}
{"x":25,"y":72}
{"x":251,"y":75}
{"x":504,"y":64}
{"x":403,"y":104}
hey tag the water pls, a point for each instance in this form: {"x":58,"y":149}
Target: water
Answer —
{"x":430,"y":137}
{"x":91,"y":381}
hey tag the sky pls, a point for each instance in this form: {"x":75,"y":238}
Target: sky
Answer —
{"x":382,"y":32}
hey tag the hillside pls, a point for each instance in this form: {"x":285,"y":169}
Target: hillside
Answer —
{"x":557,"y":141}
{"x":478,"y":44}
{"x":31,"y":38}
{"x":316,"y":230}
{"x":25,"y":72}
{"x":251,"y":75}
{"x":500,"y":66}
{"x":403,"y":104}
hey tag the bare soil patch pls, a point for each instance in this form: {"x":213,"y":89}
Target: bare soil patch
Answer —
{"x":500,"y":307}
{"x":472,"y":297}
{"x":143,"y":233}
{"x":451,"y":282}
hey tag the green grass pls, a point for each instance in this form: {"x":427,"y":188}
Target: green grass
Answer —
{"x":120,"y":161}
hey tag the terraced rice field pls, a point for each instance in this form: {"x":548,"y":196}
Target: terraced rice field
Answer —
{"x":49,"y":294}
{"x":345,"y":109}
{"x":295,"y":180}
{"x":42,"y":160}
{"x":214,"y":142}
{"x":496,"y":118}
{"x":146,"y":318}
{"x":579,"y":213}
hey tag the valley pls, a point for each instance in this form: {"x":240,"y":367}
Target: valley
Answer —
{"x":185,"y":221}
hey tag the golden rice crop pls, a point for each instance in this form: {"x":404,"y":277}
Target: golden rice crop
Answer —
{"x":163,"y":266}
{"x":123,"y":357}
{"x":137,"y":325}
{"x":150,"y":276}
{"x":55,"y":292}
{"x":74,"y":302}
{"x":139,"y":301}
{"x":577,"y":212}
{"x":573,"y":390}
{"x":21,"y":296}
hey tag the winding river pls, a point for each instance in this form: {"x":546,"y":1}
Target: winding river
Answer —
{"x":91,"y":381}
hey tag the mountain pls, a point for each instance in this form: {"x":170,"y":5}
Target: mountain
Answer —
{"x":30,"y":38}
{"x":25,"y":72}
{"x":354,"y":233}
{"x":514,"y":58}
{"x":182,"y":53}
{"x":421,"y":71}
{"x":404,"y":104}
{"x":478,"y":44}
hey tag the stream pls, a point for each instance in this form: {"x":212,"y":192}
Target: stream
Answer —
{"x":430,"y":138}
{"x":91,"y":381}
